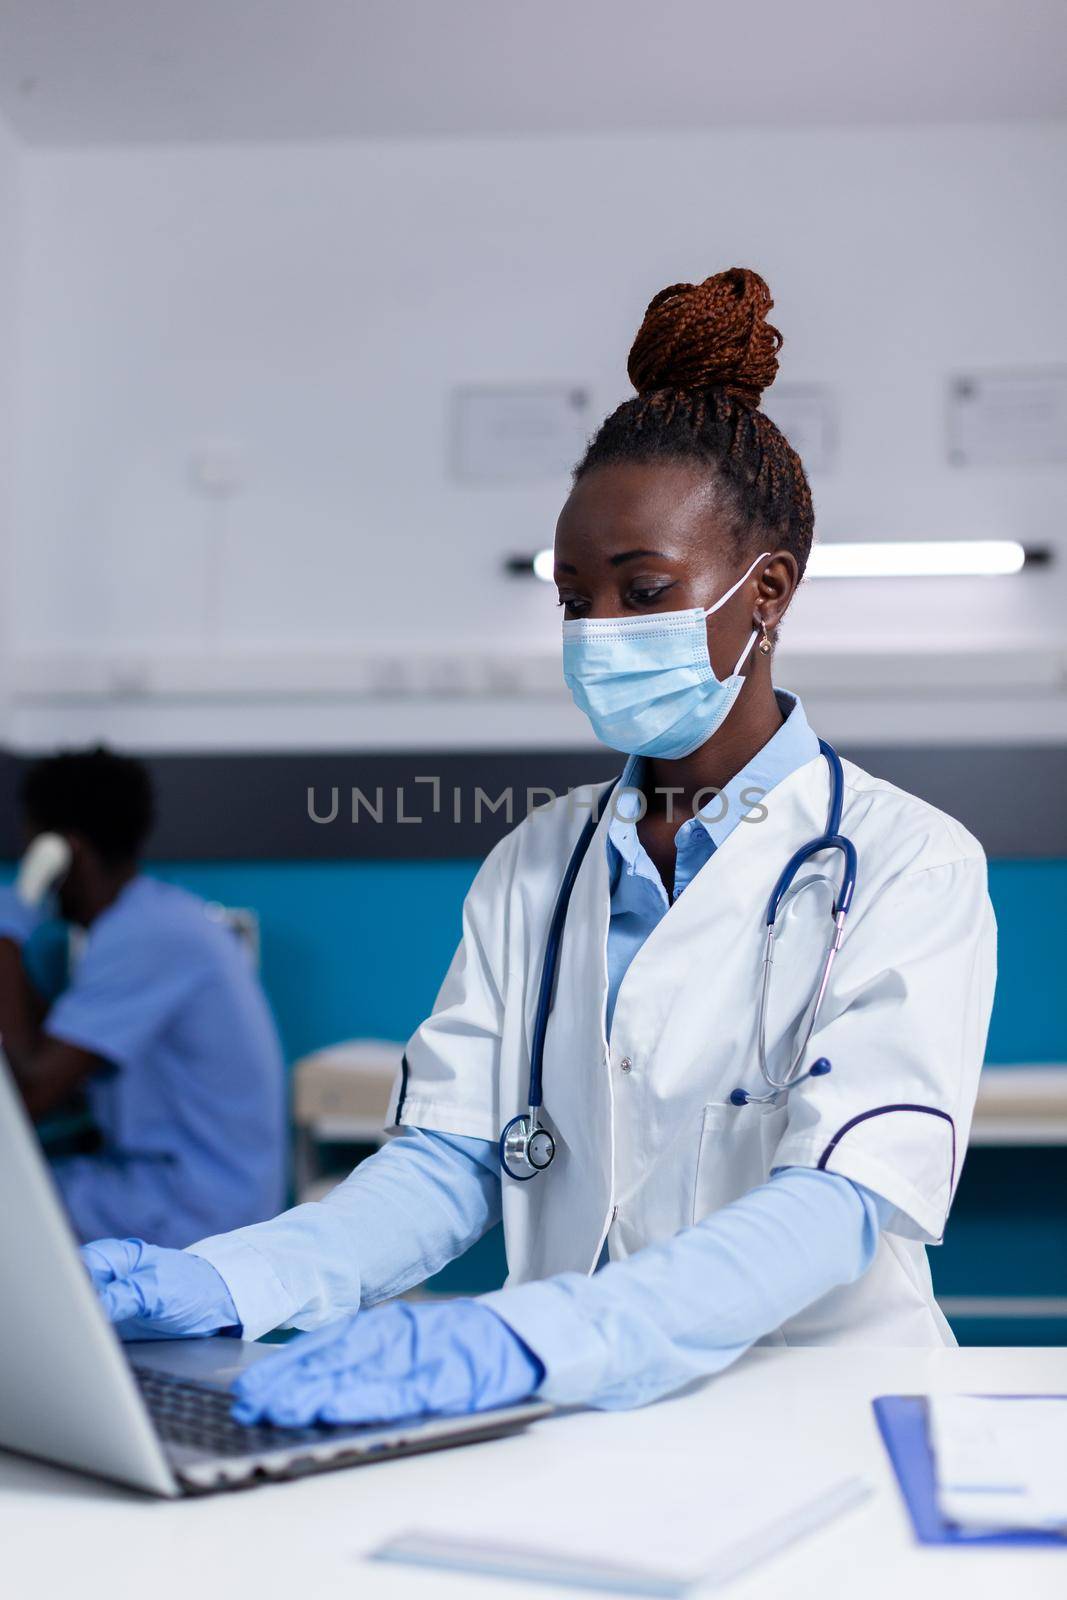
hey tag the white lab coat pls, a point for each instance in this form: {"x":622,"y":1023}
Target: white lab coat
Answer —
{"x":644,"y":1152}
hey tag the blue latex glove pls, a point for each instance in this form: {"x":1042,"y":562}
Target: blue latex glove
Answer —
{"x":152,"y":1293}
{"x":18,"y":921}
{"x":396,"y":1361}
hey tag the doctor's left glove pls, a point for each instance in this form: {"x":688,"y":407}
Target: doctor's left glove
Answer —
{"x":152,"y":1293}
{"x":398,"y":1360}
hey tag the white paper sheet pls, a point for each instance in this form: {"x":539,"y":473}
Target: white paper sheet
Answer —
{"x":1001,"y":1462}
{"x":616,"y":1533}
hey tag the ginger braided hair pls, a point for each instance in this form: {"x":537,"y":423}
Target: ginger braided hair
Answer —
{"x":702,"y":358}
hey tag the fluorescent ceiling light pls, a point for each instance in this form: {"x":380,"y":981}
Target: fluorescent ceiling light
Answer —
{"x":896,"y":558}
{"x":914,"y":558}
{"x":544,"y":565}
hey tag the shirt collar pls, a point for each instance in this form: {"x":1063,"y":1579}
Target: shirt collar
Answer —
{"x":792,"y":746}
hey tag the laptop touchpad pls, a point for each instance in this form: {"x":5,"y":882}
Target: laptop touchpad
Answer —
{"x":211,"y":1360}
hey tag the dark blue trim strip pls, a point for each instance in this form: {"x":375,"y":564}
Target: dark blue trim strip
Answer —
{"x":880,"y":1111}
{"x":216,"y":806}
{"x":402,"y":1096}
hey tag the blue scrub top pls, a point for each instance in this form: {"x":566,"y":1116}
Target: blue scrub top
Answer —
{"x":190,"y":1103}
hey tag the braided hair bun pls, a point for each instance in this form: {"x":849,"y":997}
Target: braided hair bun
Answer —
{"x":702,"y":358}
{"x":706,"y":335}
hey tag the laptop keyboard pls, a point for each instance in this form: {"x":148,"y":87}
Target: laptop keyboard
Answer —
{"x":198,"y":1416}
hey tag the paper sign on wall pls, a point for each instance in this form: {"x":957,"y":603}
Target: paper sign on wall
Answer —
{"x":804,"y":413}
{"x":1008,"y":419}
{"x":519,"y":435}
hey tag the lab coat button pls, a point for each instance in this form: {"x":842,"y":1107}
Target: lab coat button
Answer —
{"x":625,"y":1064}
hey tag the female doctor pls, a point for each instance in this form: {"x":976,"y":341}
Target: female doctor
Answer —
{"x":691,"y":1208}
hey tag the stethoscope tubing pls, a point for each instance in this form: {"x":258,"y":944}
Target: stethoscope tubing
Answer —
{"x":833,"y":840}
{"x":550,"y":964}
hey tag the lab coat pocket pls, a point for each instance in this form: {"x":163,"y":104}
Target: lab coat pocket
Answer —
{"x":737,"y":1146}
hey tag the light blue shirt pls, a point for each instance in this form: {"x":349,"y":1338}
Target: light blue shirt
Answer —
{"x":637,"y":1329}
{"x":191,"y":1101}
{"x":638,"y":898}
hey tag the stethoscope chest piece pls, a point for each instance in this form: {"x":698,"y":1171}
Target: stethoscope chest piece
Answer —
{"x":526,"y":1148}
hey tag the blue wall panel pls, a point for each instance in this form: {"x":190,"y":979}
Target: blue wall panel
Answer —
{"x":1029,"y":1018}
{"x":350,"y":948}
{"x":359,"y":948}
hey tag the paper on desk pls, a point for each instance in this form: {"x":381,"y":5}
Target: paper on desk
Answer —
{"x":1001,"y":1461}
{"x":648,"y":1524}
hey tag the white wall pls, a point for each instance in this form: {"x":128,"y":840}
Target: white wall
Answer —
{"x":313,"y":306}
{"x":9,"y":248}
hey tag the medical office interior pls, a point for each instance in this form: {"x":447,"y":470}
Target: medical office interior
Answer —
{"x":306,"y":311}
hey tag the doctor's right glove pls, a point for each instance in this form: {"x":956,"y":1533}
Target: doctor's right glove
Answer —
{"x":398,"y":1360}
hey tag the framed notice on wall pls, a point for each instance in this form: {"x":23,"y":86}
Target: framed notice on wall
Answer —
{"x":1008,"y":419}
{"x":523,"y":434}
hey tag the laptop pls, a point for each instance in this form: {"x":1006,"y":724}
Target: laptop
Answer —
{"x":153,"y":1414}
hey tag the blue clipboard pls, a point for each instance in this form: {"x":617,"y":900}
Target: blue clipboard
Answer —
{"x":902,"y":1423}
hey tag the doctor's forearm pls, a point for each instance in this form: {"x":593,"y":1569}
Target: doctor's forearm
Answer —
{"x":690,"y":1306}
{"x":403,"y":1214}
{"x":434,"y":1196}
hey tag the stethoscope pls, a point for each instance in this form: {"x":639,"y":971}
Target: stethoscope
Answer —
{"x":526,"y":1146}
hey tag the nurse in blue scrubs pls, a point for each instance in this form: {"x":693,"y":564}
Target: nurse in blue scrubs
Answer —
{"x":163,"y":1028}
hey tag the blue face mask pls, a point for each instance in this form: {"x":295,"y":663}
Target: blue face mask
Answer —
{"x":646,"y":683}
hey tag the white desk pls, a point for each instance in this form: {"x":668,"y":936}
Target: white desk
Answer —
{"x":64,"y":1537}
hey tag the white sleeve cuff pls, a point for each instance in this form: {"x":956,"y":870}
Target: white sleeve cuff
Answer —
{"x":562,"y":1336}
{"x":438,"y":1116}
{"x":261,"y":1299}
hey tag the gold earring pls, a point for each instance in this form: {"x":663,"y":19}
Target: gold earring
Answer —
{"x":764,"y":645}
